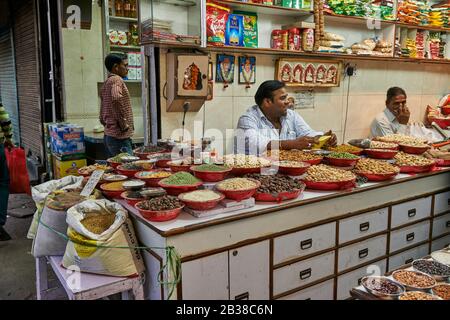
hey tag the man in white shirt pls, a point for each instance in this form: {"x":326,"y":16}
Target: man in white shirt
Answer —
{"x":395,"y":117}
{"x":270,"y":124}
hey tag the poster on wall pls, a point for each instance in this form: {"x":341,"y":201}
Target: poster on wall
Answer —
{"x":225,"y":68}
{"x":247,"y":70}
{"x":308,"y":73}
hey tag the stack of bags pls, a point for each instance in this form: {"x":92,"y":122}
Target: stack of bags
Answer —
{"x":331,"y":42}
{"x":364,"y":8}
{"x":408,"y":12}
{"x":435,"y":41}
{"x":436,"y":18}
{"x":344,"y":7}
{"x":383,"y":48}
{"x":424,"y":10}
{"x":411,"y":48}
{"x":420,"y":44}
{"x":364,"y":47}
{"x":387,"y":10}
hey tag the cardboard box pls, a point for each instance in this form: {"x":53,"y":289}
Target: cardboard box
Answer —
{"x":66,"y":138}
{"x":132,"y":73}
{"x":66,"y":168}
{"x":131,"y":59}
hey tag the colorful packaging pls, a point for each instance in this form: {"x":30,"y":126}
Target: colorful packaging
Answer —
{"x":234,"y":35}
{"x":216,"y":20}
{"x":67,"y":168}
{"x":66,"y":138}
{"x":250,"y":21}
{"x":276,"y":42}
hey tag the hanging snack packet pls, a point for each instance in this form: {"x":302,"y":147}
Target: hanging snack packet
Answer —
{"x":234,"y":35}
{"x":250,"y":21}
{"x":216,"y":19}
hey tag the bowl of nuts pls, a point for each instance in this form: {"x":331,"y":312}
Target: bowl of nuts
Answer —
{"x":383,"y":145}
{"x":294,"y":155}
{"x":342,"y":159}
{"x":238,"y":188}
{"x":243,"y":164}
{"x":414,"y":280}
{"x":376,"y":170}
{"x":347,"y":148}
{"x":414,"y":149}
{"x":323,"y":177}
{"x":418,"y":295}
{"x":276,"y":188}
{"x":380,"y":153}
{"x":160,"y":208}
{"x":438,"y":271}
{"x":382,"y":287}
{"x":292,"y":168}
{"x":442,"y":290}
{"x":410,"y":163}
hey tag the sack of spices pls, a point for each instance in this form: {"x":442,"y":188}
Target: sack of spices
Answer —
{"x":102,"y":240}
{"x":40,"y":192}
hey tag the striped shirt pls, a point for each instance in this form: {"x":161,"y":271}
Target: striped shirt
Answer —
{"x":6,"y":126}
{"x":255,"y":131}
{"x":116,"y":114}
{"x":386,"y":123}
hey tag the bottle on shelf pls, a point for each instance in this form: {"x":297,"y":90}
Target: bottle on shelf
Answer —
{"x":127,"y":8}
{"x":134,"y":34}
{"x":110,"y":7}
{"x":133,"y":13}
{"x":118,"y":5}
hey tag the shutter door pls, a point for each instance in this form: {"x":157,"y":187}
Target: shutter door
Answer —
{"x":8,"y":88}
{"x":27,"y":75}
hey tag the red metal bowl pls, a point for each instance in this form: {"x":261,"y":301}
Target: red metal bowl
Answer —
{"x":442,"y":162}
{"x":357,"y":153}
{"x":381,"y":153}
{"x":178,"y":167}
{"x":201,"y":205}
{"x":111,"y":194}
{"x":441,"y":122}
{"x":377,"y":176}
{"x":130,"y":201}
{"x":159,"y":216}
{"x":341,"y":162}
{"x":314,"y":161}
{"x":211,"y":176}
{"x":239,"y":195}
{"x":113,"y":164}
{"x":144,"y":155}
{"x":413,"y":150}
{"x":176,"y":190}
{"x":242,"y":171}
{"x":417,"y":169}
{"x":150,"y":182}
{"x":391,"y":148}
{"x":277,"y":197}
{"x":126,"y":172}
{"x":339,"y":185}
{"x":445,"y":110}
{"x":293,"y":171}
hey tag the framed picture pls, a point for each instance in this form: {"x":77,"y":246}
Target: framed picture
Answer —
{"x":192,"y":71}
{"x":225,"y":68}
{"x":247,"y":70}
{"x":308,"y":73}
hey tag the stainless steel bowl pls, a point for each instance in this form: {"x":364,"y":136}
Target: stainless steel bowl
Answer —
{"x":133,"y":184}
{"x":440,"y":278}
{"x":379,"y":294}
{"x":412,"y":288}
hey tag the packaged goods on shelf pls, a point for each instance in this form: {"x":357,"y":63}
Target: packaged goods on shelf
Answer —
{"x":66,"y":138}
{"x":234,"y":34}
{"x":216,"y":23}
{"x":250,"y":21}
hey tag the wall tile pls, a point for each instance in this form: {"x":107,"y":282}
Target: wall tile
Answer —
{"x":408,"y":76}
{"x":240,"y":105}
{"x":92,"y":70}
{"x":73,"y":75}
{"x":219,"y":115}
{"x":362,"y":110}
{"x":370,"y":78}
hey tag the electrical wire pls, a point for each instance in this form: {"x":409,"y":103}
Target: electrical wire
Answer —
{"x":346,"y":108}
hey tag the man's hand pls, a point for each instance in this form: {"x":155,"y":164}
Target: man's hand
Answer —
{"x":305,"y":142}
{"x":403,"y":115}
{"x":332,"y":142}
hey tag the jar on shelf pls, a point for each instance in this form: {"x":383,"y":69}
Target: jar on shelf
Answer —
{"x":118,"y":6}
{"x":294,"y":39}
{"x":308,"y":39}
{"x":284,"y":39}
{"x":127,"y":8}
{"x":276,"y":39}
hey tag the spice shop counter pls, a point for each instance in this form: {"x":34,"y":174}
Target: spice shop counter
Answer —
{"x":314,"y":247}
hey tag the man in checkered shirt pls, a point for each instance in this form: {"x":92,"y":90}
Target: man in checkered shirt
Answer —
{"x":116,"y":114}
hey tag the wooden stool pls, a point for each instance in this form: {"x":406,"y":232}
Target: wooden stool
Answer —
{"x":82,"y":286}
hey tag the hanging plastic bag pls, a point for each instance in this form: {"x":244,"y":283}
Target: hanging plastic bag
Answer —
{"x":19,"y":181}
{"x":418,"y":130}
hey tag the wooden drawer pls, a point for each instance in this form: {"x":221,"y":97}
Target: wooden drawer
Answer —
{"x":441,"y":202}
{"x":410,"y":211}
{"x":321,"y":291}
{"x":441,"y":225}
{"x":409,"y":236}
{"x":363,"y":225}
{"x":352,"y":279}
{"x":305,"y":242}
{"x":303,"y":272}
{"x":361,"y":252}
{"x":407,"y":256}
{"x":440,"y":243}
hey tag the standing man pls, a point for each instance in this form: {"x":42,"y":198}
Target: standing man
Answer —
{"x":395,"y":117}
{"x":116,"y":114}
{"x":270,"y":124}
{"x":5,"y":142}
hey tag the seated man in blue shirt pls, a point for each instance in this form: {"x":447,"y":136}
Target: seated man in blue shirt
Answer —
{"x":270,"y":124}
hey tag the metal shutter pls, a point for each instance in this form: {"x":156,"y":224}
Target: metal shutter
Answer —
{"x":8,"y":89}
{"x":27,"y":74}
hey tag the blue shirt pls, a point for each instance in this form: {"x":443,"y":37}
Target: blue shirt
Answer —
{"x":255,"y":131}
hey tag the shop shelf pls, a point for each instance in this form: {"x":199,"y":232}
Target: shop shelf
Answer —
{"x":265,"y":9}
{"x":415,"y":26}
{"x":114,"y":47}
{"x":354,"y":19}
{"x":123,"y":19}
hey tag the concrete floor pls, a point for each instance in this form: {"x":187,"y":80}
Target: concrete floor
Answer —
{"x":17,"y":276}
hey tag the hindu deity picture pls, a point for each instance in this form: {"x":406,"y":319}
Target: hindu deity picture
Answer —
{"x":247,"y":69}
{"x":225,"y":68}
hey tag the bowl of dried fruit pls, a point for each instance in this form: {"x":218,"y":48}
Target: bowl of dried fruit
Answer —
{"x":243,"y":164}
{"x":383,"y":145}
{"x":86,"y":171}
{"x":276,"y":188}
{"x":347,"y":148}
{"x":414,"y":149}
{"x":152,"y":177}
{"x":437,"y":270}
{"x":292,"y":168}
{"x":201,"y":199}
{"x":382,"y":287}
{"x":375,"y":170}
{"x":129,"y":169}
{"x":144,"y":151}
{"x":238,"y":188}
{"x":210,"y":172}
{"x":295,"y":155}
{"x":442,"y":290}
{"x":414,"y":280}
{"x":180,"y":182}
{"x":323,"y":177}
{"x":418,"y":295}
{"x":410,"y":163}
{"x":342,"y":159}
{"x":380,"y":153}
{"x":159,"y":209}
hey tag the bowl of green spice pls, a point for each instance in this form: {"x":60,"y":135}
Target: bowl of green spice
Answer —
{"x":211,"y":172}
{"x":180,"y":182}
{"x":342,"y":159}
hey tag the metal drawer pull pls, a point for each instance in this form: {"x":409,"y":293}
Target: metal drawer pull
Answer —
{"x":411,"y":213}
{"x":363,"y":253}
{"x":409,"y":261}
{"x":235,"y":253}
{"x":306,"y":244}
{"x":242,"y":296}
{"x":447,"y":224}
{"x":364,"y":226}
{"x":305,"y":274}
{"x":410,"y":236}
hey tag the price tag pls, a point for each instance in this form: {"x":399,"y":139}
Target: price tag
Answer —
{"x":92,"y":182}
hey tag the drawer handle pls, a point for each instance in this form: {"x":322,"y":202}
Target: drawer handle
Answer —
{"x":409,"y":261}
{"x":242,"y":296}
{"x":447,"y":224}
{"x":235,"y":253}
{"x":306,"y":244}
{"x":363,"y":253}
{"x":364,"y":226}
{"x":305,"y":274}
{"x":411,"y":213}
{"x":410,"y":236}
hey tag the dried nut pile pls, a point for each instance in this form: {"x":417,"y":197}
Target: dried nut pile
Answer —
{"x":89,"y":169}
{"x":324,"y":173}
{"x":382,"y":285}
{"x":342,"y":155}
{"x":245,"y":161}
{"x":382,"y":145}
{"x":293,"y":155}
{"x":417,"y":295}
{"x":375,"y":167}
{"x":431,"y":267}
{"x":417,"y":144}
{"x":414,"y":279}
{"x":276,"y":183}
{"x":405,"y":159}
{"x":236,"y":184}
{"x":400,"y":139}
{"x":345,"y":148}
{"x":154,"y":174}
{"x":200,"y":196}
{"x":442,"y":290}
{"x":291,"y":164}
{"x":160,"y":203}
{"x":98,"y":222}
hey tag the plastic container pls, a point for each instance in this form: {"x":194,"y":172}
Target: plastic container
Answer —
{"x":276,"y":42}
{"x":201,"y":205}
{"x":339,"y":185}
{"x":308,"y":39}
{"x":294,"y":39}
{"x":211,"y":176}
{"x":159,"y":216}
{"x":239,"y":195}
{"x":284,"y":39}
{"x":174,"y":190}
{"x":380,"y":153}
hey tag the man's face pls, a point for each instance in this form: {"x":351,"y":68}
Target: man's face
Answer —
{"x":280,"y":102}
{"x":122,"y":68}
{"x":396,"y":103}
